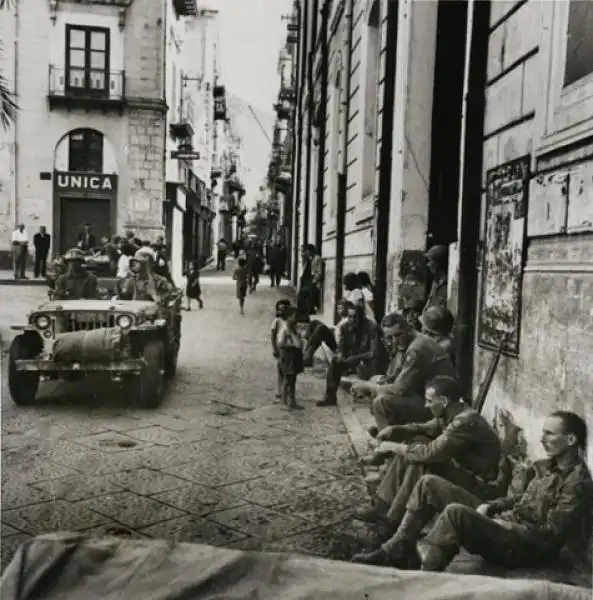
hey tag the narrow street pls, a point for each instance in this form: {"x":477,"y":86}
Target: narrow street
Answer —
{"x":219,"y":463}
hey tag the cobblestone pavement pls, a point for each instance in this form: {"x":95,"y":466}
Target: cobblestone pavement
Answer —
{"x":219,"y":463}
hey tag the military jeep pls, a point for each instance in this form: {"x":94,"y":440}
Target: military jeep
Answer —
{"x":148,"y":335}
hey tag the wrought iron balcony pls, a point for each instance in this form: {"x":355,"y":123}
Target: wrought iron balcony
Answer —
{"x":86,"y":88}
{"x":185,"y":8}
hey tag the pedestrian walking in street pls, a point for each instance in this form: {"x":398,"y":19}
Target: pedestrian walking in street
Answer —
{"x":290,"y":346}
{"x":41,"y":242}
{"x":241,"y":276}
{"x":20,"y":251}
{"x":193,"y":289}
{"x":277,"y":326}
{"x":221,"y":252}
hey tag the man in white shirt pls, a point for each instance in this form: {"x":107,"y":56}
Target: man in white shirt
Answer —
{"x":20,"y":251}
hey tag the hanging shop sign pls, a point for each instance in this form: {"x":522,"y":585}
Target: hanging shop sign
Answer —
{"x":220,"y":113}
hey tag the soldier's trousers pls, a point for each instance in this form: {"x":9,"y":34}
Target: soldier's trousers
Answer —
{"x":458,"y":526}
{"x":396,"y":410}
{"x":401,"y":477}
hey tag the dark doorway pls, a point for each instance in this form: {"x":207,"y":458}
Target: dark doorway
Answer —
{"x":446,"y":122}
{"x":75,"y":212}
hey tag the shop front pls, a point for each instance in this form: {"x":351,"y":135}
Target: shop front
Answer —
{"x":81,"y":198}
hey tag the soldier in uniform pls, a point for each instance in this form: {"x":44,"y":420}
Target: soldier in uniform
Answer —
{"x":527,"y":529}
{"x":142,"y":283}
{"x":402,"y":401}
{"x":358,"y":351}
{"x":457,"y":444}
{"x":437,"y":264}
{"x":77,"y":282}
{"x":437,"y":322}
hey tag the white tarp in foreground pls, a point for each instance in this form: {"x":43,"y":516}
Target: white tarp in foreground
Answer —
{"x":74,"y":567}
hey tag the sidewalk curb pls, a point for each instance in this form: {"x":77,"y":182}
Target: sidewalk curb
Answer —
{"x":24,"y":282}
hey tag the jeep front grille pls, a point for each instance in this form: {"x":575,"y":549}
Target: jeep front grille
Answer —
{"x":81,"y":321}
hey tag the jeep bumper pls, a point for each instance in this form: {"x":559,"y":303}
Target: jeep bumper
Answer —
{"x":132,"y":365}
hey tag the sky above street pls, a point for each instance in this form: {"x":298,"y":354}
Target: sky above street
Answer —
{"x":251,"y":34}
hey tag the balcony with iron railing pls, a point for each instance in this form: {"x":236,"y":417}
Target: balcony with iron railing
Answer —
{"x":86,"y":88}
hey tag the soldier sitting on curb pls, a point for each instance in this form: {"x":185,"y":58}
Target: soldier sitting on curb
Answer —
{"x":528,"y":529}
{"x":358,"y":351}
{"x":77,"y":283}
{"x":458,"y":444}
{"x":437,"y":322}
{"x":402,"y":401}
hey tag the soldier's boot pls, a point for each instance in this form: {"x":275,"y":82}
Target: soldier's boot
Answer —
{"x":329,"y":399}
{"x":400,"y":550}
{"x":376,"y":513}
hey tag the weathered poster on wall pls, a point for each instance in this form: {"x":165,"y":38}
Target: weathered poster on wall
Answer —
{"x":503,"y":258}
{"x":548,"y":201}
{"x":580,"y":199}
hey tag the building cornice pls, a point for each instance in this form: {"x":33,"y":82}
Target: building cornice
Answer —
{"x":122,"y":5}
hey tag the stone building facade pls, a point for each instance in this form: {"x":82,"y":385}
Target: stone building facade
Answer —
{"x":466,"y":124}
{"x":90,"y":80}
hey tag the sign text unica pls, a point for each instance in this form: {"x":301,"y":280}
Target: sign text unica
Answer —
{"x":85,"y":182}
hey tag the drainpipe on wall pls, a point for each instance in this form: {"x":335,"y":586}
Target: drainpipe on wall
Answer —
{"x":343,"y":175}
{"x":471,"y":153}
{"x":322,"y":126}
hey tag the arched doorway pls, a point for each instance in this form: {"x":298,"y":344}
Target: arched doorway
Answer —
{"x":85,"y":189}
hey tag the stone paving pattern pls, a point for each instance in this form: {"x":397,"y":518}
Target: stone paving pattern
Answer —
{"x":218,"y":463}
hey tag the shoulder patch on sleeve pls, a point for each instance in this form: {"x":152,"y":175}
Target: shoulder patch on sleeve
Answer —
{"x":410,"y":359}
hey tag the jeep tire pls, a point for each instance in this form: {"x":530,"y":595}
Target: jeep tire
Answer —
{"x":171,"y":359}
{"x":22,"y":385}
{"x":152,"y":378}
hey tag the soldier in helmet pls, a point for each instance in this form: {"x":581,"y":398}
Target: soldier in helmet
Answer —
{"x":437,"y":322}
{"x":437,"y":264}
{"x":77,"y":282}
{"x":142,"y":283}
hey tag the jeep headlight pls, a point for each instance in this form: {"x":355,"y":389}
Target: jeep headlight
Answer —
{"x":41,"y":321}
{"x":124,"y":321}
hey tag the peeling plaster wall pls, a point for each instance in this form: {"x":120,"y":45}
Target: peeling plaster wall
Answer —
{"x":554,"y":369}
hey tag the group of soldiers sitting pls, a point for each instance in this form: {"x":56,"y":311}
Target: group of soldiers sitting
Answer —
{"x":141,"y":283}
{"x":437,"y":456}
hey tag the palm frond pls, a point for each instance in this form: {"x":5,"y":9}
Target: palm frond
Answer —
{"x":8,"y":104}
{"x":7,"y":3}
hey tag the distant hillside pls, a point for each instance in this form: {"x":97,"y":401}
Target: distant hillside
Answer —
{"x":256,"y":148}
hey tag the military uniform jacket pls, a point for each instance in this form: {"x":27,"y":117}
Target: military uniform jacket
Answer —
{"x":151,"y":288}
{"x":71,"y":287}
{"x":462,"y":436}
{"x":424,"y":359}
{"x":556,"y":506}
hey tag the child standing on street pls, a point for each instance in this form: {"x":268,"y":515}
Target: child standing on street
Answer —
{"x":193,"y":289}
{"x":277,"y":326}
{"x":241,"y":276}
{"x":290,"y":346}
